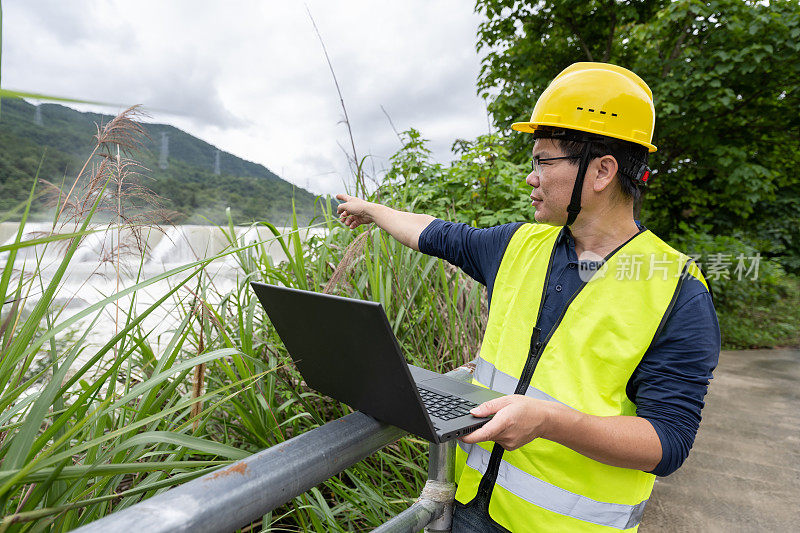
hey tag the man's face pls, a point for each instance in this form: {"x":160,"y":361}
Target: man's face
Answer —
{"x":552,"y":185}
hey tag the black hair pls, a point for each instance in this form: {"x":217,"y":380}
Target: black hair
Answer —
{"x":629,"y":156}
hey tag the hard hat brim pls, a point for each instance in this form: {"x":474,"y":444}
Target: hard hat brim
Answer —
{"x":530,"y":127}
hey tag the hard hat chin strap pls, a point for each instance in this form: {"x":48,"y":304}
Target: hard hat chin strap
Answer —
{"x":634,"y":168}
{"x":574,"y":206}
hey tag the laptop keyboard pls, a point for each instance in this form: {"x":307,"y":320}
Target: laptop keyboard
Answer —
{"x":445,"y":406}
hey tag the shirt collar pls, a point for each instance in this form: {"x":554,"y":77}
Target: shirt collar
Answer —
{"x":566,"y":235}
{"x":565,"y":238}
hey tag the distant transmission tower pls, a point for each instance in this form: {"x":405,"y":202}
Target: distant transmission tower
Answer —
{"x":162,"y":160}
{"x":37,"y":115}
{"x":216,"y":163}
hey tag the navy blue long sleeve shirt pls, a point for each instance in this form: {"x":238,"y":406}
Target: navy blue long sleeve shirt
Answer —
{"x":670,"y":382}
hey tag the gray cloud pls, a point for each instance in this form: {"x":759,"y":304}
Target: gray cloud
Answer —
{"x":183,"y":87}
{"x":66,"y":22}
{"x":251,"y":78}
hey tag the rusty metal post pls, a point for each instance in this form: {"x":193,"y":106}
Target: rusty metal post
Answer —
{"x":433,"y":510}
{"x":441,"y":484}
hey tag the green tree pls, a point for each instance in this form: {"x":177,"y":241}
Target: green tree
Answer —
{"x":482,"y":187}
{"x":725,"y":76}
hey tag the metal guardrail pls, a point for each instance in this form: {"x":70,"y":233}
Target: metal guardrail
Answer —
{"x":246,"y":490}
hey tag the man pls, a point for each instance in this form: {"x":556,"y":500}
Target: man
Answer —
{"x":605,"y":368}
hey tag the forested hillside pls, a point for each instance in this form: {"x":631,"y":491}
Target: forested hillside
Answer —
{"x":62,"y":138}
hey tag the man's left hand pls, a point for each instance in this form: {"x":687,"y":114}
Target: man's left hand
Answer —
{"x":517,"y":421}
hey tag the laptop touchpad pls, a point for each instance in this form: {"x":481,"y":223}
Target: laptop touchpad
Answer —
{"x":450,"y":386}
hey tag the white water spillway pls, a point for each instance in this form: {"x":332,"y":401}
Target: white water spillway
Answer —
{"x":165,"y":247}
{"x":110,"y":260}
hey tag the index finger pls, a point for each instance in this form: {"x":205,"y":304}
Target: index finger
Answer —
{"x":489,"y":431}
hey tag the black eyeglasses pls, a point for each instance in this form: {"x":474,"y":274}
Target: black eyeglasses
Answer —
{"x":536,"y":161}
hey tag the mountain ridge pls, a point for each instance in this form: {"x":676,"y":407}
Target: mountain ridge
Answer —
{"x":188,"y":186}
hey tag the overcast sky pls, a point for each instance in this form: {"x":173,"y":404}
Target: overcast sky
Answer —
{"x":250,"y":76}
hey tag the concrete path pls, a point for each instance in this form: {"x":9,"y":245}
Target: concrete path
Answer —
{"x":743,"y":473}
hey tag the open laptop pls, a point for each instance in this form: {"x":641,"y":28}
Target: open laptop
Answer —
{"x":346,"y":349}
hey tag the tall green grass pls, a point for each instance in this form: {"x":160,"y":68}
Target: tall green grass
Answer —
{"x":437,"y":315}
{"x":144,"y":414}
{"x":77,"y":441}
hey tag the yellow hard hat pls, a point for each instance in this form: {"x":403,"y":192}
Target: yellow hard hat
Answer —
{"x":597,"y":98}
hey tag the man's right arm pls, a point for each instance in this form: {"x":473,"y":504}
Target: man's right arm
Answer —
{"x":478,"y":252}
{"x":403,"y":226}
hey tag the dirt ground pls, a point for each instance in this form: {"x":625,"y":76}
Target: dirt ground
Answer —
{"x":743,"y":473}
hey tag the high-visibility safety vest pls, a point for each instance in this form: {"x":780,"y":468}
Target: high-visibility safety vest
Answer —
{"x":585,"y":362}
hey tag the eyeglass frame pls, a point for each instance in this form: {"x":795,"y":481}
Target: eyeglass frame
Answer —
{"x":536,"y":160}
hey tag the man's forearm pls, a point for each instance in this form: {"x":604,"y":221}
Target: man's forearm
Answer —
{"x":625,"y":441}
{"x":403,"y":226}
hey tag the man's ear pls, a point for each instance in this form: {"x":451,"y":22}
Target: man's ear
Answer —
{"x":607,"y":168}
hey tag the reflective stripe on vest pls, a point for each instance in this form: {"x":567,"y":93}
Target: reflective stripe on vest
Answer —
{"x":486,"y":374}
{"x":556,"y":499}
